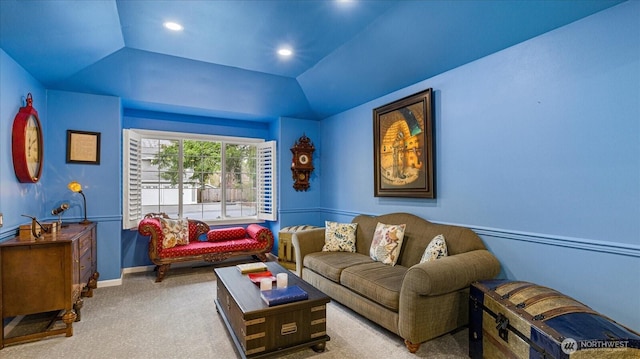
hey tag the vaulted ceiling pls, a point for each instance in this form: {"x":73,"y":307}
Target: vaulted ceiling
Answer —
{"x":224,"y":63}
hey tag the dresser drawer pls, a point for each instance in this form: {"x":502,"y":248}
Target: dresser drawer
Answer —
{"x":86,"y":267}
{"x":84,"y":244}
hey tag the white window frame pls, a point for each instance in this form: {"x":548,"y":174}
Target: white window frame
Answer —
{"x":266,"y":174}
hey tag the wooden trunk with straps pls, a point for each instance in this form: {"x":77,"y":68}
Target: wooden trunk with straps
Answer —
{"x":515,"y":319}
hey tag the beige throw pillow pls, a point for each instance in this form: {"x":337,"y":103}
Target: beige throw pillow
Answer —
{"x":386,"y":243}
{"x":339,"y":237}
{"x":175,"y":232}
{"x":436,"y":249}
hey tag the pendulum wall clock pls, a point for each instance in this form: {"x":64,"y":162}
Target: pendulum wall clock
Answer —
{"x":27,"y":144}
{"x":302,"y":163}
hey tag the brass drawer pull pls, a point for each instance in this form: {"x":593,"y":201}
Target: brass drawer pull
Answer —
{"x":254,"y":321}
{"x":288,"y":328}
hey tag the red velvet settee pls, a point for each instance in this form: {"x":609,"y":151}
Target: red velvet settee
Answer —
{"x":171,"y":242}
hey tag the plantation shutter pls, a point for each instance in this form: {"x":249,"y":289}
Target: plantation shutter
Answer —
{"x":266,"y":182}
{"x":132,"y":180}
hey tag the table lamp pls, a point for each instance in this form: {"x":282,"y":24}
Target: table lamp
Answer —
{"x":77,"y":187}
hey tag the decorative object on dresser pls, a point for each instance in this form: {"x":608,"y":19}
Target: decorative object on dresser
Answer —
{"x":58,"y":212}
{"x":510,"y":319}
{"x":35,"y":230}
{"x":403,"y":148}
{"x":77,"y":188}
{"x":302,"y":163}
{"x":260,"y":330}
{"x":51,"y":273}
{"x":185,"y":240}
{"x":27,"y":144}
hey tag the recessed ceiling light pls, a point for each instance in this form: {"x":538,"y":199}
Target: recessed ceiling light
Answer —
{"x":285,"y":52}
{"x":174,"y":26}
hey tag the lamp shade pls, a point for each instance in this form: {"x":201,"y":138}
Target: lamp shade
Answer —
{"x":75,"y":186}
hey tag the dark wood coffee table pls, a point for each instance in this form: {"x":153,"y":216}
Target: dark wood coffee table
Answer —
{"x":260,"y":331}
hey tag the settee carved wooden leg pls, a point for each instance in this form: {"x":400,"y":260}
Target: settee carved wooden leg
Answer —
{"x":411,"y":346}
{"x":161,"y":271}
{"x":261,"y":256}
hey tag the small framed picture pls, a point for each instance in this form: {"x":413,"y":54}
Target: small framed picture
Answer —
{"x":83,"y":147}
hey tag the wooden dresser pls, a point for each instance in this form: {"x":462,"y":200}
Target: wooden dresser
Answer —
{"x":48,"y":274}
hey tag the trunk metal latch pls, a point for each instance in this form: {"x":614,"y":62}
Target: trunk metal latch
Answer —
{"x":503,"y":324}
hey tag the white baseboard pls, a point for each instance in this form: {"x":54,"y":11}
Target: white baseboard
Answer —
{"x":118,"y":281}
{"x":139,"y":269}
{"x":110,"y":282}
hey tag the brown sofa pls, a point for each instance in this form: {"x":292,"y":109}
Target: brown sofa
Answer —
{"x":204,"y":244}
{"x":417,"y":301}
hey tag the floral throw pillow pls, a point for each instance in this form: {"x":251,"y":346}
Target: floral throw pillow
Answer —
{"x":436,"y":249}
{"x":386,"y":243}
{"x":339,"y":237}
{"x":175,"y":232}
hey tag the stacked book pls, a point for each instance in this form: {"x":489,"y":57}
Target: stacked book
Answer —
{"x":251,"y":267}
{"x":258,"y":276}
{"x":284,"y":295}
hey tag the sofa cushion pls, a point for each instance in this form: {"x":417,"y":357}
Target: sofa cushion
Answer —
{"x":436,"y":249}
{"x":225,"y":234}
{"x":174,"y":232}
{"x":204,"y":247}
{"x":376,"y":281}
{"x":386,"y":243}
{"x":331,"y":264}
{"x":340,"y":237}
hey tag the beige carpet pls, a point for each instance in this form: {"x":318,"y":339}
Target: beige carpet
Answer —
{"x":177,"y":319}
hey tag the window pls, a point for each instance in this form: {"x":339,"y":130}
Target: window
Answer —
{"x":210,"y":178}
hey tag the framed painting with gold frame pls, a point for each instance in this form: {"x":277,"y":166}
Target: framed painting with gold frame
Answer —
{"x":83,"y":147}
{"x":403,"y":148}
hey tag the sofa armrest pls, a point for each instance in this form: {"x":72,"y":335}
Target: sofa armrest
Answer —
{"x":261,"y":234}
{"x":305,"y":242}
{"x":151,"y":227}
{"x":450,"y":273}
{"x":196,"y":229}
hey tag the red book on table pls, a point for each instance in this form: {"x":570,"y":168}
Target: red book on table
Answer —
{"x":256,"y":277}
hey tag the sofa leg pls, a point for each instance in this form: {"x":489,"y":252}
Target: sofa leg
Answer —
{"x":161,"y":271}
{"x":411,"y":346}
{"x":261,"y":256}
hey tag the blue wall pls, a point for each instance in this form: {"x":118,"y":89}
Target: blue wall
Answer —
{"x":538,"y":150}
{"x":18,"y":198}
{"x":101,"y":183}
{"x":298,"y":207}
